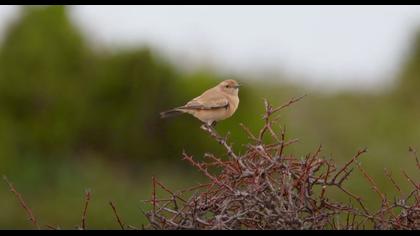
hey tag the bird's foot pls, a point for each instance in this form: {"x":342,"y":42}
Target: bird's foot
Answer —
{"x":209,"y":126}
{"x":205,"y":126}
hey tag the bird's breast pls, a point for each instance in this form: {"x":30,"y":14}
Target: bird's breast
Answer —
{"x":233,"y":103}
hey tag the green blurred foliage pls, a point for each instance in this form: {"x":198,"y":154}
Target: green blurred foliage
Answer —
{"x":72,"y":117}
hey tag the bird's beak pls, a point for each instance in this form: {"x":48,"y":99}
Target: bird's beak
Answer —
{"x":237,"y":86}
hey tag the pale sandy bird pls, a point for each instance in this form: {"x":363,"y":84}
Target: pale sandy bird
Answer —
{"x":215,"y":104}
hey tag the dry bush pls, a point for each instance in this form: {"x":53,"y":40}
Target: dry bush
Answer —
{"x":265,"y":188}
{"x":268,"y":188}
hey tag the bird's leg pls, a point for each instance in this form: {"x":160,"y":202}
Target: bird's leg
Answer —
{"x":210,"y":127}
{"x":206,"y":126}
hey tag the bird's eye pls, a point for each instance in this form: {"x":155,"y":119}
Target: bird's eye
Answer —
{"x":227,"y":86}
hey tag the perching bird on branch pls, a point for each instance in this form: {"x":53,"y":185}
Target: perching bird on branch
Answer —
{"x":215,"y":104}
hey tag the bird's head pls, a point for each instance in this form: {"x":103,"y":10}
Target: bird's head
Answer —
{"x":229,"y":86}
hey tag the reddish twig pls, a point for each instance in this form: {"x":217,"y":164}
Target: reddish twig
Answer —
{"x":116,"y":215}
{"x":83,"y":224}
{"x":351,"y":161}
{"x":374,"y":186}
{"x":22,"y":202}
{"x":154,"y":194}
{"x":414,"y":152}
{"x":53,"y":227}
{"x":389,"y":175}
{"x":290,"y":102}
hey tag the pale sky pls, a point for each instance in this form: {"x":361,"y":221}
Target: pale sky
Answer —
{"x":331,"y":46}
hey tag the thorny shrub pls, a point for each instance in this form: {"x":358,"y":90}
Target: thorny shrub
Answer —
{"x":268,"y":188}
{"x":265,"y":188}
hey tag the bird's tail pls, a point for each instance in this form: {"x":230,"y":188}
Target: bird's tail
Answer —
{"x":171,"y":113}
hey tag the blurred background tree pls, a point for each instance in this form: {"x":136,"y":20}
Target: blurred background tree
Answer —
{"x":73,"y":117}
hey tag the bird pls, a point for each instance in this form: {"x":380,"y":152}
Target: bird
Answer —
{"x":213,"y":105}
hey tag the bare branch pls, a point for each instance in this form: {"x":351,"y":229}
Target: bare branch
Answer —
{"x":22,"y":202}
{"x":84,"y":215}
{"x":116,"y":215}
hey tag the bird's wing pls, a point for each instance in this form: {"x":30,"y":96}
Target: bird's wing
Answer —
{"x":207,"y":101}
